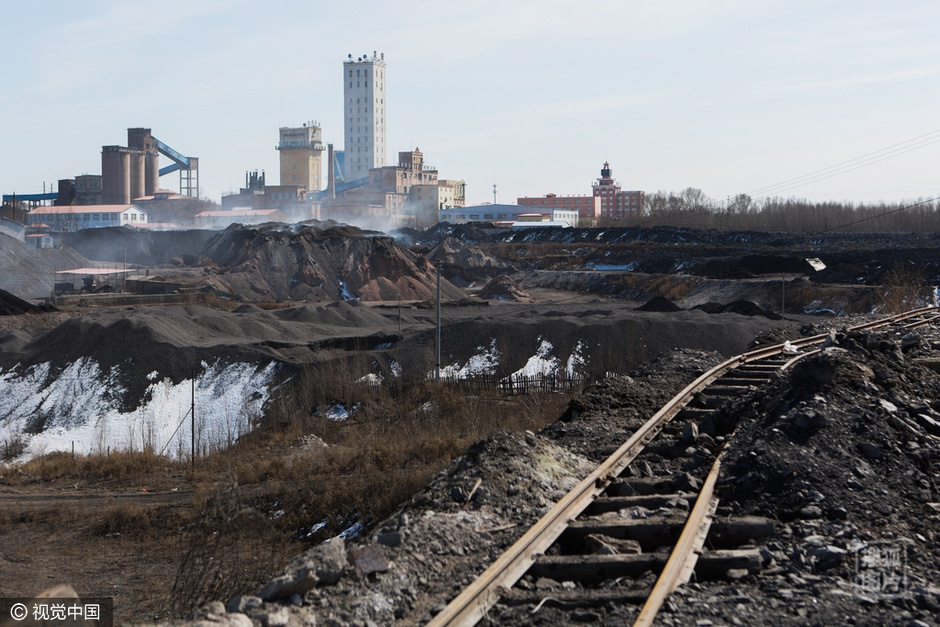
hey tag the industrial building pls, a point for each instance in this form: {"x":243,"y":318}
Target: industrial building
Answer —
{"x":128,"y":173}
{"x":364,"y":115}
{"x":511,"y":215}
{"x":617,"y":204}
{"x":406,"y":194}
{"x":227,"y":217}
{"x":300,"y":150}
{"x":607,"y":200}
{"x":72,"y":218}
{"x":588,"y":207}
{"x":132,"y":172}
{"x":293,"y":202}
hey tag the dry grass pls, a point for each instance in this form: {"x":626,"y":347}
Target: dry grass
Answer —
{"x":254,"y":505}
{"x":904,"y":287}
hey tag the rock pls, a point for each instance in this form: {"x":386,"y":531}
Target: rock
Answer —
{"x":213,"y":609}
{"x":323,"y":564}
{"x":869,"y":450}
{"x":828,"y":556}
{"x":684,"y":482}
{"x":809,"y":420}
{"x":812,"y":372}
{"x":243,"y":604}
{"x":735,"y":574}
{"x":389,"y":538}
{"x":369,"y":559}
{"x":690,"y":433}
{"x":606,"y":545}
{"x":811,"y":511}
{"x":274,"y":618}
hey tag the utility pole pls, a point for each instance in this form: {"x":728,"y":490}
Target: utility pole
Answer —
{"x":192,"y":415}
{"x":437,"y":363}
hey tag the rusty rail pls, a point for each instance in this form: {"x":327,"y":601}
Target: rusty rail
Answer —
{"x":473,"y":602}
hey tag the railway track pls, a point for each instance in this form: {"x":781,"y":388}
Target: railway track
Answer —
{"x":584,"y":538}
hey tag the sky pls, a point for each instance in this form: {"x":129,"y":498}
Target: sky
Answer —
{"x":816,"y":99}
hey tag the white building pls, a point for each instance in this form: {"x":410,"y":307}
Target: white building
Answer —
{"x":510,"y":215}
{"x":364,"y":113}
{"x":225,"y":218}
{"x":75,"y":217}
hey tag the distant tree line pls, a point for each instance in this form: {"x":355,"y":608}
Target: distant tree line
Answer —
{"x":691,"y":208}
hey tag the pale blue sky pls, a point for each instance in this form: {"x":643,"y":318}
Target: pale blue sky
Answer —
{"x":729,"y":96}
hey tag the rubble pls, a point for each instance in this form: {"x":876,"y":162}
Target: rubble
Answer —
{"x":803,"y":454}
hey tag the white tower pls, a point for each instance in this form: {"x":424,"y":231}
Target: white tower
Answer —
{"x":364,"y":107}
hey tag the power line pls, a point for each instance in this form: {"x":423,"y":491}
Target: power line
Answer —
{"x":880,"y":215}
{"x":915,"y":143}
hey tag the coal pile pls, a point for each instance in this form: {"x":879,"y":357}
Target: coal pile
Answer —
{"x":742,"y":307}
{"x":659,"y":303}
{"x":464,"y":264}
{"x":314,"y":262}
{"x":504,"y":288}
{"x":11,"y":305}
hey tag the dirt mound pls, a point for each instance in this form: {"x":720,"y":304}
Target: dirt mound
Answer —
{"x":464,"y":264}
{"x":504,"y":288}
{"x":743,"y":307}
{"x":276,"y":263}
{"x":659,"y":303}
{"x":11,"y":305}
{"x":29,"y":272}
{"x":468,"y":232}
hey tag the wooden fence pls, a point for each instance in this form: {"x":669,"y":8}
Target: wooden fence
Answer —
{"x":558,"y":382}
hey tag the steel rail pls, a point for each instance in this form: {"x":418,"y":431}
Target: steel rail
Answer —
{"x":683,"y":557}
{"x":467,"y":608}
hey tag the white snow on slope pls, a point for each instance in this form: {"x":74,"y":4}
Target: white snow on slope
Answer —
{"x":576,"y":360}
{"x":484,"y":362}
{"x":81,"y":407}
{"x":541,"y":363}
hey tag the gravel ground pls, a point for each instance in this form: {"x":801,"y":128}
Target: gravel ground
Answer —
{"x":841,"y":452}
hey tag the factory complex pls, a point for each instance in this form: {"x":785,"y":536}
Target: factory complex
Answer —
{"x":360,"y":187}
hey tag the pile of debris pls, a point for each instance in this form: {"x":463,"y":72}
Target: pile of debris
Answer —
{"x":504,"y":288}
{"x":11,"y":305}
{"x":312,"y":262}
{"x":463,"y":264}
{"x":842,"y":452}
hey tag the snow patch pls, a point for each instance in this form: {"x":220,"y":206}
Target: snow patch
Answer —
{"x":576,"y":360}
{"x":542,"y":363}
{"x":81,"y":407}
{"x":484,"y":362}
{"x":344,"y":291}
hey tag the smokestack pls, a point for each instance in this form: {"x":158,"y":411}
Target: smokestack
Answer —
{"x":330,"y":174}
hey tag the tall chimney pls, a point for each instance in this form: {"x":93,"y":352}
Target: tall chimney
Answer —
{"x":330,"y":174}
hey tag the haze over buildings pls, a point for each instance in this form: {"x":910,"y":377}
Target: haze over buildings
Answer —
{"x":730,"y":97}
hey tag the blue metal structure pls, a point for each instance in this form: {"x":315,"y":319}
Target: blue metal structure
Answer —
{"x":179,"y":161}
{"x":30,"y":197}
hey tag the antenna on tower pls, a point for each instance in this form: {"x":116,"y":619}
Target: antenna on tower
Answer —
{"x":494,"y":193}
